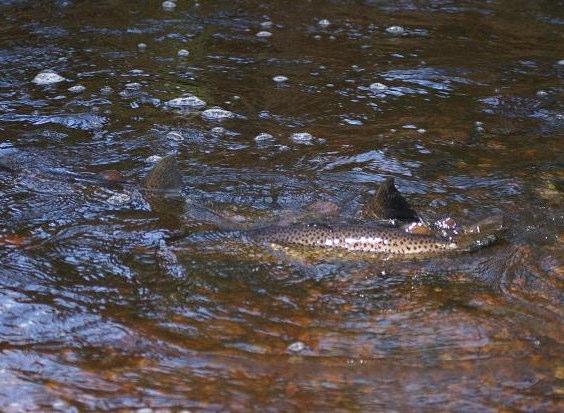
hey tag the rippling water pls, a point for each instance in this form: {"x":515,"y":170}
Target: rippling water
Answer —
{"x":460,"y":101}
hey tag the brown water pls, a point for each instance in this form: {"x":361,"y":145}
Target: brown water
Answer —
{"x":98,"y":312}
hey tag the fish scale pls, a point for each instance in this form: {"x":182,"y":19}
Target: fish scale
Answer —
{"x":357,"y":238}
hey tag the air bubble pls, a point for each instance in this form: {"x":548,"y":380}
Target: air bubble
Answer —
{"x":188,"y":101}
{"x":106,"y":90}
{"x":169,"y":5}
{"x":303,"y":138}
{"x":47,"y":77}
{"x":395,"y":30}
{"x":174,"y":136}
{"x":153,"y":159}
{"x":377,"y":86}
{"x":218,"y":132}
{"x":262,"y":137}
{"x":217,"y":113}
{"x":76,"y":89}
{"x":280,"y":79}
{"x":119,"y":199}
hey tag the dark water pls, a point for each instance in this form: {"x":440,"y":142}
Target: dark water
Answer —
{"x":465,"y":110}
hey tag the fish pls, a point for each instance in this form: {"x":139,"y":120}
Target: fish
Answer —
{"x":354,"y":238}
{"x":365,"y":238}
{"x":383,"y":230}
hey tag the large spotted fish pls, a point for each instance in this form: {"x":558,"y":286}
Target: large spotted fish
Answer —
{"x":388,"y":204}
{"x":367,"y":238}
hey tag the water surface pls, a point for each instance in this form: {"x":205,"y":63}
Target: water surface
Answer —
{"x":460,"y":101}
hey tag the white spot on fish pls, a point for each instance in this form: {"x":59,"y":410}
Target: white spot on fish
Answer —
{"x":296,"y":347}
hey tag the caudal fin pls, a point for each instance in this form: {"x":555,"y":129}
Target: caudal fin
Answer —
{"x":165,"y":176}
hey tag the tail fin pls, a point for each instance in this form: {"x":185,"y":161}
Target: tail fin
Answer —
{"x":482,"y":234}
{"x":165,"y":176}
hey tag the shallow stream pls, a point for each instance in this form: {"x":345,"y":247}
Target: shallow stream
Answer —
{"x":270,"y":107}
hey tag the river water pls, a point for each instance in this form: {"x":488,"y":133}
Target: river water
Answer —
{"x":460,"y":101}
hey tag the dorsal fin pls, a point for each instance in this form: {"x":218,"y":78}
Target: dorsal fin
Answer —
{"x":388,"y":203}
{"x":165,"y":175}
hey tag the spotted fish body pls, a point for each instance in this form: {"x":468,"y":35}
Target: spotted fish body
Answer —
{"x":354,"y":238}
